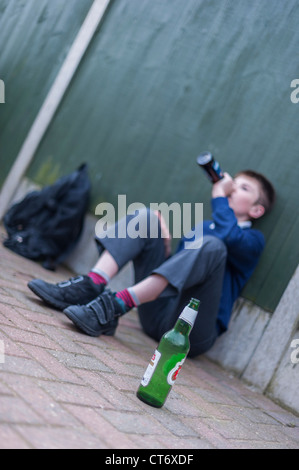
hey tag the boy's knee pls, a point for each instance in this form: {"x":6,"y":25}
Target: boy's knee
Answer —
{"x":151,"y":222}
{"x":142,"y":223}
{"x":145,"y":213}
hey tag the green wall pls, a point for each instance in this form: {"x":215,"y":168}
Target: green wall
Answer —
{"x":35,"y":36}
{"x":162,"y":81}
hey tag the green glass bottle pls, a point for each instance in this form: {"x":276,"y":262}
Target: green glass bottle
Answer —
{"x":168,"y":359}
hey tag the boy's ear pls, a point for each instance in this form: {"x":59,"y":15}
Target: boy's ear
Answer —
{"x":256,"y":211}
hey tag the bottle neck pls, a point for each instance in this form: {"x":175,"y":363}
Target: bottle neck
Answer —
{"x":182,"y":327}
{"x":189,"y":314}
{"x":187,"y":318}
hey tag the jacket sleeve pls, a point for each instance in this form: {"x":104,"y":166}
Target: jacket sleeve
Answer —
{"x":243,"y":245}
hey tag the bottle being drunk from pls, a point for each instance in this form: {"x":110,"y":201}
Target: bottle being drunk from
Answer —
{"x":211,"y":167}
{"x":168,"y":359}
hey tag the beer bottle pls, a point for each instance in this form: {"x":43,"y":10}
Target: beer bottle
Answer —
{"x":212,"y":168}
{"x":168,"y":359}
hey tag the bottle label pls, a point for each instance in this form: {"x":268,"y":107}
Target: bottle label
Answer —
{"x":188,"y":315}
{"x":150,"y":368}
{"x":172,"y":375}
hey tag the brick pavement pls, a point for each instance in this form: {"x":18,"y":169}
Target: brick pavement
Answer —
{"x":62,"y":389}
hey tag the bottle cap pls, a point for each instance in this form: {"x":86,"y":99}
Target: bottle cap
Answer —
{"x":204,"y":158}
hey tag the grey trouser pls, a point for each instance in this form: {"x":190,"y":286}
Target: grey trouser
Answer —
{"x":191,"y":273}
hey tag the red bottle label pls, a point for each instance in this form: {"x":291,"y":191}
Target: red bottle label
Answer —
{"x":172,"y":375}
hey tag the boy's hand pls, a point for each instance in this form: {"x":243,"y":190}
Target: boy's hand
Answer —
{"x":223,"y":187}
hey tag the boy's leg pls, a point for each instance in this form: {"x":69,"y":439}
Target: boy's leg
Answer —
{"x":100,"y":316}
{"x":190,"y":273}
{"x":105,"y":268}
{"x":164,"y":293}
{"x":146,"y":253}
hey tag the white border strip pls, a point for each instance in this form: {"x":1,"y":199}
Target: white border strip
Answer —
{"x":52,"y":101}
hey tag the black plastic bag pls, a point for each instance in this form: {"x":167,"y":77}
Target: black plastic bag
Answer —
{"x":46,"y":225}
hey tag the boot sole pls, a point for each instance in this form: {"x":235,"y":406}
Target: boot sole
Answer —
{"x":46,"y":298}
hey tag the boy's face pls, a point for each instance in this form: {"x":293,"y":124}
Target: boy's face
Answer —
{"x":244,"y":198}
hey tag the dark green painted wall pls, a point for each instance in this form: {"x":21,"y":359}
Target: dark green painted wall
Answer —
{"x":35,"y":37}
{"x":165,"y":79}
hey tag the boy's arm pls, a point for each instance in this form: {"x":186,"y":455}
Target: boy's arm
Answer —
{"x":242,"y":244}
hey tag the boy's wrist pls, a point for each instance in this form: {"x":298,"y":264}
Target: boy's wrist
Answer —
{"x":218,"y":192}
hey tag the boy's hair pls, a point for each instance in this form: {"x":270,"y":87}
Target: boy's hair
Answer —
{"x":267,"y":191}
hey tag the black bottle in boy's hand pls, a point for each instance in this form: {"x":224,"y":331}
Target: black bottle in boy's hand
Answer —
{"x":206,"y":161}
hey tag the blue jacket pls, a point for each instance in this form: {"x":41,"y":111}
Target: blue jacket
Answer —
{"x":244,"y":247}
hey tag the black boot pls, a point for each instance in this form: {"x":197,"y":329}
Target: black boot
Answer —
{"x":100,"y":316}
{"x":77,"y":290}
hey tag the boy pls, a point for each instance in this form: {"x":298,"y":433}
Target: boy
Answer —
{"x":215,"y":273}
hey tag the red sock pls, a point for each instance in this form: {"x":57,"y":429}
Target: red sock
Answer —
{"x":97,"y":278}
{"x":126,"y":297}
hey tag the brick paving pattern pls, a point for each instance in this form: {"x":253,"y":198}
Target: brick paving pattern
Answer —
{"x":62,"y":389}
